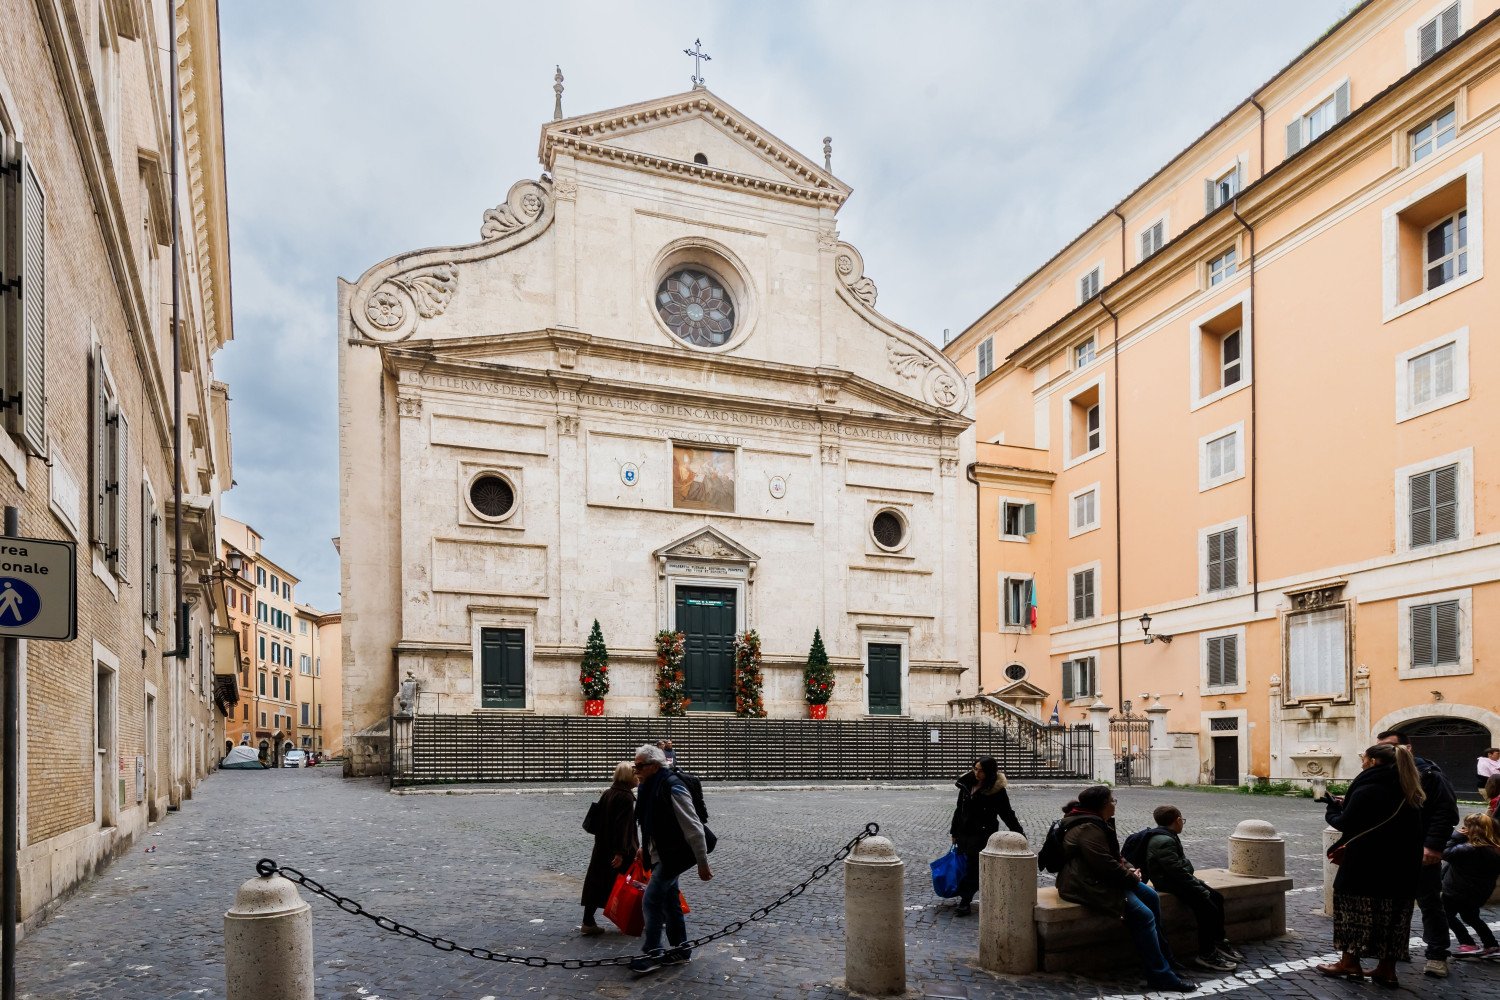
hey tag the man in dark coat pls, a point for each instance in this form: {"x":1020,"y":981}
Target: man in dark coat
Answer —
{"x":672,"y":841}
{"x":1095,"y":875}
{"x":1168,"y":868}
{"x":1439,"y":817}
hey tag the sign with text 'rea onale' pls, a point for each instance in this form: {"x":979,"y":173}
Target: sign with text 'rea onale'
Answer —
{"x":38,"y":589}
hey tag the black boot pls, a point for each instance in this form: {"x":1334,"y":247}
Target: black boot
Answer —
{"x":963,"y":909}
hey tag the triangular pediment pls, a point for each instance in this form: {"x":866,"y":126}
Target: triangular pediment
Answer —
{"x":665,"y":135}
{"x":707,"y":543}
{"x":1020,"y":689}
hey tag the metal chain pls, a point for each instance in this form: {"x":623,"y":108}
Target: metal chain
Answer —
{"x":267,"y":867}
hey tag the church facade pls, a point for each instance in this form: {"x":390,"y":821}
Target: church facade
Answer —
{"x":656,"y":393}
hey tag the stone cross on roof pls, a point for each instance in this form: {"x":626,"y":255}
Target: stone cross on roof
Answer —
{"x":698,"y":55}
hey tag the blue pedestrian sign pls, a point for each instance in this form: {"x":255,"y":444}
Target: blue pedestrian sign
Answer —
{"x":38,"y":589}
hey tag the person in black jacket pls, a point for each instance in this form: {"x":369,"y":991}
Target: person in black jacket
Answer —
{"x":1473,"y":865}
{"x":982,"y":803}
{"x":1380,"y":865}
{"x":1168,"y":868}
{"x":1439,"y":817}
{"x":673,"y":840}
{"x":614,"y":844}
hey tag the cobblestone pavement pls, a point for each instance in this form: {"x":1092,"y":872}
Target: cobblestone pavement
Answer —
{"x":503,"y":871}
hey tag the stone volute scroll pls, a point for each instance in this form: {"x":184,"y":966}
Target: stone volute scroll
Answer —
{"x":394,"y":297}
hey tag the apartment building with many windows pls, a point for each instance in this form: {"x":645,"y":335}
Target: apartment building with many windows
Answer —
{"x":318,"y":681}
{"x":1241,"y":404}
{"x":119,"y":725}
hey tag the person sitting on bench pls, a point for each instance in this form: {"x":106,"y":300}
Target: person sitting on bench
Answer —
{"x":1169,"y":870}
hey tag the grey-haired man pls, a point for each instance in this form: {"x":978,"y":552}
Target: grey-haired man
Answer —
{"x":672,"y":841}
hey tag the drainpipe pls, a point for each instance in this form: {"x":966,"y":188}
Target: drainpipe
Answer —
{"x":1119,"y":558}
{"x":1254,"y":438}
{"x":969,"y":473}
{"x":1261,"y":168}
{"x":181,"y":652}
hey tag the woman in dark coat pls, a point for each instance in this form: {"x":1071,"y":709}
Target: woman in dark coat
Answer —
{"x":982,"y":804}
{"x":1377,"y":881}
{"x":615,"y":844}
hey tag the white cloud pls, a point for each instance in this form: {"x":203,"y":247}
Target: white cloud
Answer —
{"x":979,"y":138}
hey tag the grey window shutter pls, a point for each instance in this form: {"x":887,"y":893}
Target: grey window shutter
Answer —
{"x":1215,"y":662}
{"x":148,"y":569}
{"x":1445,"y":632}
{"x":33,"y":340}
{"x":1421,"y":508}
{"x":1215,"y":566}
{"x":1293,"y":138}
{"x":1089,"y":594}
{"x":121,"y":480}
{"x":1449,"y":18}
{"x":1428,"y":40}
{"x":1067,"y":668}
{"x":100,"y":407}
{"x":1229,"y":551}
{"x":1341,"y":102}
{"x":1028,"y":519}
{"x":1210,"y":195}
{"x":1421,"y":636}
{"x":1078,"y":596}
{"x":1231,"y":659}
{"x":1093,"y":673}
{"x":1445,"y":503}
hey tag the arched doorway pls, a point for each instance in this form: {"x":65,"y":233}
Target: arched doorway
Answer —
{"x":1453,"y":744}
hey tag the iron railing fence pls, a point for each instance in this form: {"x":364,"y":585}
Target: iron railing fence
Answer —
{"x":482,"y":747}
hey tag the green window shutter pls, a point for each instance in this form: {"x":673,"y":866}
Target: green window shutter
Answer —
{"x":1293,"y":138}
{"x":1028,"y":519}
{"x":33,"y":333}
{"x":100,"y":407}
{"x":121,"y":496}
{"x":1067,"y":671}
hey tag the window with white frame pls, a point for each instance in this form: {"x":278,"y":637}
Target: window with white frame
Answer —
{"x":1221,"y":268}
{"x":986,"y":357}
{"x":1434,"y":634}
{"x":1017,"y":519}
{"x":1083,"y":354}
{"x":1432,"y":375}
{"x":1437,"y":34}
{"x":1083,"y":424}
{"x":1085,"y":514}
{"x":1434,"y":505}
{"x":305,"y":664}
{"x":1219,"y":351}
{"x":1083,"y":595}
{"x":1088,"y":285}
{"x":1220,"y":457}
{"x":1152,"y":238}
{"x":23,"y":318}
{"x":1446,"y":250}
{"x":1221,"y":190}
{"x":1018,"y":601}
{"x":1222,"y":661}
{"x":1317,"y":120}
{"x":1317,"y":654}
{"x":1433,"y":134}
{"x":1223,"y":565}
{"x":306,"y":714}
{"x":1080,"y":678}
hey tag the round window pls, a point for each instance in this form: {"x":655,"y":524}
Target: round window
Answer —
{"x":491,"y":496}
{"x":1015,"y":672}
{"x":889,"y":529}
{"x":695,"y":306}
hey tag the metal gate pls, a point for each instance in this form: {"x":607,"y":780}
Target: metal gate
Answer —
{"x":1130,"y":737}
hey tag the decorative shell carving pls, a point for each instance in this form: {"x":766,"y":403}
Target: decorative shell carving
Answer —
{"x":707,"y":547}
{"x":906,"y":361}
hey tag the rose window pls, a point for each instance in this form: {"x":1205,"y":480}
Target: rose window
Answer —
{"x":695,"y":306}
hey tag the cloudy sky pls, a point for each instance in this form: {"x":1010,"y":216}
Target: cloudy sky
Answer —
{"x":978,"y":137}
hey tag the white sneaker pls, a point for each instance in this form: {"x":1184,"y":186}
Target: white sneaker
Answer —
{"x":1436,"y":968}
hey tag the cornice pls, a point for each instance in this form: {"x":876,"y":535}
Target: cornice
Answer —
{"x":1013,"y":475}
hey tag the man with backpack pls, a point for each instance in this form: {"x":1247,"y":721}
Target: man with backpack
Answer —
{"x":1158,"y":853}
{"x":1095,"y":875}
{"x":673,"y":839}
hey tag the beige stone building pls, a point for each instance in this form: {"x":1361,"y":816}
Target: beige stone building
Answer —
{"x":119,"y":725}
{"x":1250,"y":402}
{"x":655,"y":392}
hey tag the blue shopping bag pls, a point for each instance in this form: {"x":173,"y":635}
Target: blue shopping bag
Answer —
{"x":948,"y":871}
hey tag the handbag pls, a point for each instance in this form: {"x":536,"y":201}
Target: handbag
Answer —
{"x":624,"y":906}
{"x":592,"y":819}
{"x":1336,"y":852}
{"x":948,"y":871}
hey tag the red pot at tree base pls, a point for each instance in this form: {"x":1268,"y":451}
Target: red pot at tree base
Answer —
{"x":593,"y":706}
{"x":817,"y":711}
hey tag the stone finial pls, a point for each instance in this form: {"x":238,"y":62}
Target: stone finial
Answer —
{"x":557,"y":88}
{"x":828,"y":153}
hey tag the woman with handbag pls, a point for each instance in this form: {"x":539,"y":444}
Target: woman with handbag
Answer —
{"x":612,"y":822}
{"x":982,"y":803}
{"x":1379,"y":858}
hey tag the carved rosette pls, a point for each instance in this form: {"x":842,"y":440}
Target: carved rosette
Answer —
{"x":850,"y":267}
{"x":915,"y":365}
{"x":393,"y":299}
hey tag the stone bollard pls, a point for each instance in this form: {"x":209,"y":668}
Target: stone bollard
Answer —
{"x":1255,"y":848}
{"x":268,"y":952}
{"x":874,"y":921}
{"x":1007,"y":894}
{"x":1330,"y":870}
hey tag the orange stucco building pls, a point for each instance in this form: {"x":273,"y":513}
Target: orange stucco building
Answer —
{"x":1250,"y":402}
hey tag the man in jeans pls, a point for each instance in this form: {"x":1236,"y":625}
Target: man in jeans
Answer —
{"x":1439,"y":817}
{"x":672,"y":841}
{"x":1095,"y":875}
{"x":1170,"y":870}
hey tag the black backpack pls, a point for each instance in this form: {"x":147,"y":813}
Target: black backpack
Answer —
{"x":695,"y":789}
{"x":1134,"y":848}
{"x":1050,"y":858}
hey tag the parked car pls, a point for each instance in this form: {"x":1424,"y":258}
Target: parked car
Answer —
{"x":294,"y":758}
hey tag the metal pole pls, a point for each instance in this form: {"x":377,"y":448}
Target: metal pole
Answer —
{"x":9,"y":829}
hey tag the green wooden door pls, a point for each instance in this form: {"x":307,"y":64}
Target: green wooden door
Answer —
{"x":885,"y":678}
{"x":503,"y":667}
{"x":706,"y":618}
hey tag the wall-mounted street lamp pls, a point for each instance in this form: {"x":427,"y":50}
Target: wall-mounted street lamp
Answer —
{"x":1146,"y":631}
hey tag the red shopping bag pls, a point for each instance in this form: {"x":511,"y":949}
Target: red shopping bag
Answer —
{"x":624,"y":906}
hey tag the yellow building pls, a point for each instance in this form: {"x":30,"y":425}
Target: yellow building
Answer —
{"x":317,"y":691}
{"x":1240,"y":403}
